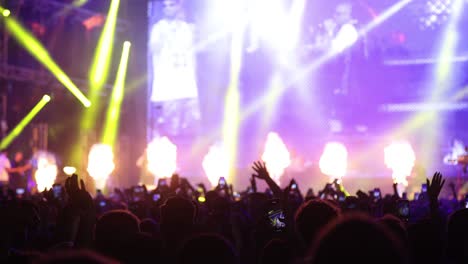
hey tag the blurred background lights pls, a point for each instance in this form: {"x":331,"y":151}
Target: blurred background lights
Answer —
{"x":216,"y":163}
{"x":161,"y":155}
{"x":100,"y":164}
{"x":435,"y":13}
{"x":400,"y":158}
{"x":334,"y":160}
{"x":46,"y":171}
{"x":69,"y":170}
{"x":276,"y":156}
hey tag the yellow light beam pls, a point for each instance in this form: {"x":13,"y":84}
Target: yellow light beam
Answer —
{"x":232,"y":100}
{"x":24,"y":122}
{"x":111,"y":126}
{"x":102,"y":57}
{"x":38,"y":51}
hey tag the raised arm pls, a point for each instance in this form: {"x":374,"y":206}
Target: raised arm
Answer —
{"x":262,"y":173}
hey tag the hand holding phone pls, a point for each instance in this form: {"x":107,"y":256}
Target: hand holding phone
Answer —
{"x":162,"y":183}
{"x":156,"y":197}
{"x":403,"y":207}
{"x":57,"y":190}
{"x":222,"y":182}
{"x":377,"y":194}
{"x":424,"y":188}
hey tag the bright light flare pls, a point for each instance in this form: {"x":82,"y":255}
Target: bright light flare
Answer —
{"x":216,"y":164}
{"x":268,"y":19}
{"x":232,"y":98}
{"x":24,"y":122}
{"x":400,"y":158}
{"x":6,"y":12}
{"x":161,"y":155}
{"x":112,"y":122}
{"x":46,"y":171}
{"x":38,"y":51}
{"x":102,"y":58}
{"x":276,"y":156}
{"x":100,"y":164}
{"x":334,"y":160}
{"x":79,"y":3}
{"x":69,"y":170}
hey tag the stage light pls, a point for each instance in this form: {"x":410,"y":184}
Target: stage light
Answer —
{"x":78,"y":3}
{"x":458,"y":149}
{"x":276,"y":156}
{"x":216,"y":164}
{"x":161,"y":155}
{"x":268,"y":22}
{"x":346,"y":39}
{"x":111,"y":126}
{"x":448,"y":47}
{"x":273,"y":94}
{"x":232,"y":98}
{"x":69,"y":170}
{"x":98,"y":74}
{"x":400,"y":158}
{"x":334,"y":160}
{"x":102,"y":58}
{"x":46,"y":171}
{"x":6,"y":12}
{"x":436,"y":12}
{"x":100,"y":164}
{"x":24,"y":122}
{"x":305,"y":71}
{"x":38,"y":51}
{"x":443,"y":79}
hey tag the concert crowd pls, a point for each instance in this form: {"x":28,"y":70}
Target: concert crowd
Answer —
{"x":183,"y":223}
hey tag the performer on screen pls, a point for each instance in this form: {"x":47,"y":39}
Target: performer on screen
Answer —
{"x":174,"y":96}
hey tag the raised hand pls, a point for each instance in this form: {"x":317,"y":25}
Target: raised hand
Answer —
{"x":77,"y":195}
{"x":435,"y":186}
{"x":261,"y":171}
{"x":395,"y":190}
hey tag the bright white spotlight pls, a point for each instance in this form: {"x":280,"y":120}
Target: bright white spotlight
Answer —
{"x":400,"y":158}
{"x":100,"y":164}
{"x":269,"y":23}
{"x":345,"y":39}
{"x":161,"y":155}
{"x":6,"y":12}
{"x":46,"y":171}
{"x":276,"y":156}
{"x":69,"y":170}
{"x":216,"y":163}
{"x":458,"y":149}
{"x":334,"y":160}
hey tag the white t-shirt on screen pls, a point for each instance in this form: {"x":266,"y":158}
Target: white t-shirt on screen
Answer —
{"x":4,"y":165}
{"x":173,"y":59}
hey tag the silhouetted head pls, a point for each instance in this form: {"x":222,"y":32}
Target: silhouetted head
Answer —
{"x":114,"y":227}
{"x":177,"y":212}
{"x":149,"y":226}
{"x":207,"y":248}
{"x":277,"y":251}
{"x":75,"y":257}
{"x":356,"y":239}
{"x":457,"y":237}
{"x":425,"y":242}
{"x":312,"y":216}
{"x":396,"y":226}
